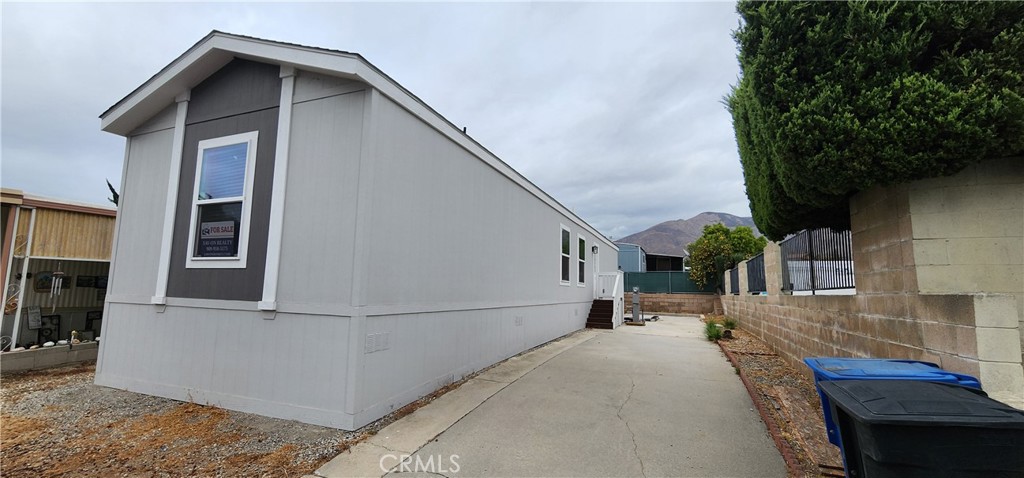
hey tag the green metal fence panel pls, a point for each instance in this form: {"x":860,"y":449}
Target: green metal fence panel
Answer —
{"x":665,"y":283}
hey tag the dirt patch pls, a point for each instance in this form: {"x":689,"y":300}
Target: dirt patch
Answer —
{"x":57,"y":423}
{"x":790,"y":400}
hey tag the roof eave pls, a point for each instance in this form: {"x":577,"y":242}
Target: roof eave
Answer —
{"x":206,"y":57}
{"x":218,"y":48}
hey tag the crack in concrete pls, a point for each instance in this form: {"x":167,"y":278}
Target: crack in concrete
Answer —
{"x":392,"y":450}
{"x":618,"y":413}
{"x":420,"y":472}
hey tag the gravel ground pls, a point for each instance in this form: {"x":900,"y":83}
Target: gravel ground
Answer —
{"x":57,"y":423}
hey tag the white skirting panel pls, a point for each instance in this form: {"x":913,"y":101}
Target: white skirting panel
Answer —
{"x":300,"y":366}
{"x":293,"y":367}
{"x":424,"y":352}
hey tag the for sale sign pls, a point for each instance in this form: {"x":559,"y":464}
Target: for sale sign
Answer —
{"x":217,"y":239}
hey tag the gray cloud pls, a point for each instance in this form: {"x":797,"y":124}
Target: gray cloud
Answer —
{"x":613,"y":109}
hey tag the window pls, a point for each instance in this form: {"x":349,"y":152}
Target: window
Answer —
{"x":222,"y":202}
{"x":566,"y":254}
{"x":581,"y":276}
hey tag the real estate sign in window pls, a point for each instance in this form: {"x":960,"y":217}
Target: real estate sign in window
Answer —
{"x":221,"y":203}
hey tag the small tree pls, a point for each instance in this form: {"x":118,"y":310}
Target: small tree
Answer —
{"x":114,"y":196}
{"x":718,"y":249}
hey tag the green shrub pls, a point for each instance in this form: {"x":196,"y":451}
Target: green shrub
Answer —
{"x":839,"y":97}
{"x":729,"y":323}
{"x":712,"y":331}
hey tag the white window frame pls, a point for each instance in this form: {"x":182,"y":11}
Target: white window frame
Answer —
{"x":561,"y":255}
{"x":239,"y":262}
{"x":581,"y":281}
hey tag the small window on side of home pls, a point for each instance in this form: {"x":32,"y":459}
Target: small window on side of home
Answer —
{"x":566,"y":254}
{"x":222,"y":202}
{"x":581,"y":276}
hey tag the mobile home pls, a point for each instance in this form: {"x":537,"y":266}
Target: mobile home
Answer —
{"x":303,"y":238}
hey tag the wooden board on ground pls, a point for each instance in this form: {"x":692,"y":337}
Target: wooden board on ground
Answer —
{"x":809,"y":428}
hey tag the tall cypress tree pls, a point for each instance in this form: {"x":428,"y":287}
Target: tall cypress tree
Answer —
{"x":839,"y":97}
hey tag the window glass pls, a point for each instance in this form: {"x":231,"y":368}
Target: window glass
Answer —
{"x":580,"y":276}
{"x":566,"y":251}
{"x":223,"y":172}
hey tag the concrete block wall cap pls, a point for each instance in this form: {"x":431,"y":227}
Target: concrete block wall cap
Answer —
{"x":1002,"y":378}
{"x":996,"y":310}
{"x":998,"y":344}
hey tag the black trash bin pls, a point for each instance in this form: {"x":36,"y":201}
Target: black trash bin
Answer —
{"x":904,"y":428}
{"x":841,"y":368}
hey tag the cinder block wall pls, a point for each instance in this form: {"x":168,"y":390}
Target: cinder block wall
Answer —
{"x":939,"y":278}
{"x":969,"y":238}
{"x":675,"y":303}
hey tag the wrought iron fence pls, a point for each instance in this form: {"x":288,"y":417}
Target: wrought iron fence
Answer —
{"x":755,"y":274}
{"x":734,"y":280}
{"x":817,"y":259}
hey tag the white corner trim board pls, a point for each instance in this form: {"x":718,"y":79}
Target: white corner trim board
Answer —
{"x":277,"y":198}
{"x":170,"y":207}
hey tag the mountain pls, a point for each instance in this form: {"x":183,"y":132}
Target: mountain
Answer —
{"x":672,"y":237}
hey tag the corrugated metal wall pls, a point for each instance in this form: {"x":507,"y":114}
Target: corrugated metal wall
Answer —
{"x":71,"y":295}
{"x":72,"y":234}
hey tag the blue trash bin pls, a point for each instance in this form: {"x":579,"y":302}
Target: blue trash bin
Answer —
{"x":827,"y":369}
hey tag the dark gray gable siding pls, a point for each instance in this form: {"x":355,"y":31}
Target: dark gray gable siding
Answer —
{"x":243,"y":96}
{"x":242,"y":86}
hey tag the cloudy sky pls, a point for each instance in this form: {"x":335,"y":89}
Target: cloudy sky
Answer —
{"x":613,"y":109}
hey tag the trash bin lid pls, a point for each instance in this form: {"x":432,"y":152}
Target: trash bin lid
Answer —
{"x":838,"y":368}
{"x":914,"y":402}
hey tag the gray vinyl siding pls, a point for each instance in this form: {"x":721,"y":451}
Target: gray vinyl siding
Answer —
{"x":311,"y":86}
{"x":446,"y":227}
{"x":162,"y":121}
{"x":241,"y":97}
{"x":141,"y":216}
{"x":465,"y":266}
{"x":320,"y":213}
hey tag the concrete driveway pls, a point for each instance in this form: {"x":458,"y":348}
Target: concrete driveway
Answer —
{"x":657,"y":400}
